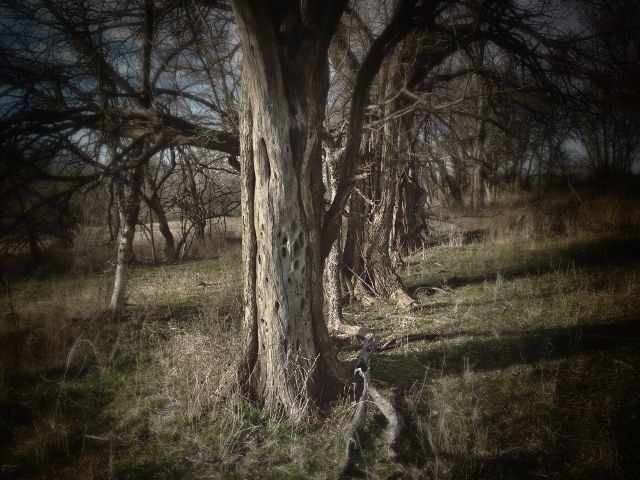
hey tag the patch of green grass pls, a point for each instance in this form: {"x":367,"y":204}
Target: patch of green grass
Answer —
{"x":534,"y":372}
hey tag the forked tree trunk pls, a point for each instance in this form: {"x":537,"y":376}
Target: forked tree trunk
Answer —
{"x":128,"y":208}
{"x":290,"y":362}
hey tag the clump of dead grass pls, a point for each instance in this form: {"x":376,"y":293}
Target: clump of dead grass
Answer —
{"x":567,"y":213}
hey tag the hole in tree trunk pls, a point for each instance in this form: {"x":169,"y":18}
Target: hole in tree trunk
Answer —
{"x":277,"y":306}
{"x":265,"y":158}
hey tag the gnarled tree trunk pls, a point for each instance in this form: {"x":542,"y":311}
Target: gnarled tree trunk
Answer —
{"x":369,"y":260}
{"x":289,"y":359}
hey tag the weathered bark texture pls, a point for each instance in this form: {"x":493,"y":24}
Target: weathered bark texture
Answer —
{"x":370,"y":262}
{"x":333,"y":265}
{"x":289,"y":359}
{"x":128,"y":208}
{"x":369,"y":392}
{"x":152,"y":240}
{"x":369,"y":237}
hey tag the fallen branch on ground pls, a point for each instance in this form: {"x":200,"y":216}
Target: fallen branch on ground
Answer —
{"x":342,"y":329}
{"x":413,"y":337}
{"x":369,"y":392}
{"x":428,"y":290}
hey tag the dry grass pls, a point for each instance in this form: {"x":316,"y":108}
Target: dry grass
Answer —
{"x":531,"y":216}
{"x":534,"y":373}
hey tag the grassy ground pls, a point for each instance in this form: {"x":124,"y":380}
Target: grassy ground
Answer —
{"x":534,"y":371}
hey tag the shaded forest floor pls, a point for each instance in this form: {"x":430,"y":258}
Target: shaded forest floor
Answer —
{"x":531,"y":370}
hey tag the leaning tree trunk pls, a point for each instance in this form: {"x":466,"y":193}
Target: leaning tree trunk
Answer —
{"x":128,"y":207}
{"x":289,"y":360}
{"x":153,"y":203}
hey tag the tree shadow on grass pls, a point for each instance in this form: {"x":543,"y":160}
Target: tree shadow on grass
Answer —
{"x":595,"y":405}
{"x":489,"y":351}
{"x":585,"y":254}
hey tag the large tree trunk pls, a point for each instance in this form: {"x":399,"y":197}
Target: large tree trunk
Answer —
{"x":290,"y":361}
{"x":128,"y":208}
{"x":154,"y":204}
{"x":368,"y":259}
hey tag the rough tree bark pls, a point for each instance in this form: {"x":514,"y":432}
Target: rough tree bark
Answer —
{"x":380,"y":269}
{"x":372,"y":269}
{"x":410,"y":221}
{"x":479,"y":137}
{"x":333,"y":265}
{"x":289,"y":360}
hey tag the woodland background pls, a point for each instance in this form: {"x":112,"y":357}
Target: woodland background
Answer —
{"x":489,"y":239}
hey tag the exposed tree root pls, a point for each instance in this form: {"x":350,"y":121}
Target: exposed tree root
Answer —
{"x":352,"y":437}
{"x":341,"y":329}
{"x":398,"y":342}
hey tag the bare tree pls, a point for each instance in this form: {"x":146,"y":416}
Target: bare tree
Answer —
{"x":91,"y":72}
